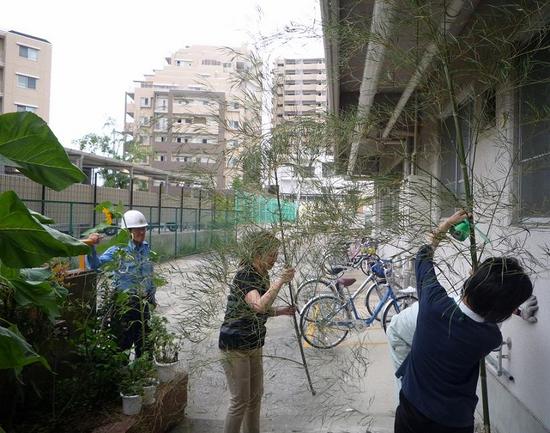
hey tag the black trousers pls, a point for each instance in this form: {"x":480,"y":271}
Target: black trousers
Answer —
{"x":409,"y":420}
{"x":130,"y":327}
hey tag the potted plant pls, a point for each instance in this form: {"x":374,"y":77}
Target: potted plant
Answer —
{"x":131,"y":393}
{"x":145,"y":373}
{"x":166,"y":347}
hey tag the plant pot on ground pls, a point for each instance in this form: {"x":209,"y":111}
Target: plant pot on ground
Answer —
{"x":166,"y":347}
{"x":149,"y":390}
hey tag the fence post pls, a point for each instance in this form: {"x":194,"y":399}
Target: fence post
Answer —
{"x":195,"y":247}
{"x":71,"y":218}
{"x":160,"y":203}
{"x":200,"y":205}
{"x":94,"y":200}
{"x":181,"y":210}
{"x":176,"y":237}
{"x":131,"y":192}
{"x":150,"y":229}
{"x":43,"y":202}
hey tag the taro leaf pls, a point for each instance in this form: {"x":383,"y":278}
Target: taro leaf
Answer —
{"x":31,"y":146}
{"x":36,"y":274}
{"x":41,"y":218}
{"x":24,"y":242}
{"x":38,"y":294}
{"x":15,"y":351}
{"x":97,"y":229}
{"x":122,"y":238}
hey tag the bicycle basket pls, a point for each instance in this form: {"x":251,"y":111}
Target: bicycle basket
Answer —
{"x":378,"y":270}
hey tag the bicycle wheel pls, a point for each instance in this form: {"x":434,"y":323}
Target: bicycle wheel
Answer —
{"x":395,"y":306}
{"x":374,"y":294}
{"x":317,"y":322}
{"x":333,"y":259}
{"x":310,"y":289}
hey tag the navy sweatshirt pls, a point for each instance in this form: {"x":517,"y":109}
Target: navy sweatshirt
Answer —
{"x":440,"y":374}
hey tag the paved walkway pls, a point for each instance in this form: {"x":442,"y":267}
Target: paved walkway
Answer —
{"x":354,"y":381}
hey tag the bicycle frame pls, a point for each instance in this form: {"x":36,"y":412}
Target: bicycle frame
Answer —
{"x":389,"y":296}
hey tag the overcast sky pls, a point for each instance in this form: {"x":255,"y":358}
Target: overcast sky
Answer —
{"x":100,"y":47}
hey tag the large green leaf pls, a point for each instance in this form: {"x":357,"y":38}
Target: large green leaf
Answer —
{"x":15,"y":351}
{"x":24,"y":242}
{"x":29,"y":144}
{"x":39,"y":294}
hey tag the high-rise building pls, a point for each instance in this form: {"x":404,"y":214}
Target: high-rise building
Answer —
{"x":300,"y":88}
{"x":300,"y":92}
{"x":189,"y":113}
{"x":25,"y":73}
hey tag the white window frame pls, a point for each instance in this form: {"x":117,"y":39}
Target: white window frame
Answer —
{"x":27,"y":76}
{"x":28,"y":47}
{"x":33,"y":108}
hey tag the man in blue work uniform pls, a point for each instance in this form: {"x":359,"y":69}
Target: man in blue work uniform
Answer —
{"x":134,"y":276}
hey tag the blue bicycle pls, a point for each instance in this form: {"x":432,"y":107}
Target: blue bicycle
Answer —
{"x":326,"y":320}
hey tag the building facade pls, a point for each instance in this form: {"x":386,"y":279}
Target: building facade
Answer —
{"x":300,"y":88}
{"x":25,"y":73}
{"x":189,"y":114}
{"x":490,"y":133}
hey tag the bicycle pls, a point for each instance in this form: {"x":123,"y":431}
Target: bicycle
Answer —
{"x":376,"y":273}
{"x":327,"y":315}
{"x":344,"y":255}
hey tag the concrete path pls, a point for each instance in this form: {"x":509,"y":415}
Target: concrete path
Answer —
{"x":354,"y":381}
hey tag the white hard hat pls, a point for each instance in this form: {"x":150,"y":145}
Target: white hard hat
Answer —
{"x":133,"y":219}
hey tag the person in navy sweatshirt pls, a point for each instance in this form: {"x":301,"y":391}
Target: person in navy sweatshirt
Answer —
{"x":439,"y":376}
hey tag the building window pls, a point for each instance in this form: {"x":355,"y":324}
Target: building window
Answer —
{"x":211,"y":62}
{"x":161,"y":124}
{"x":233,"y":124}
{"x":26,"y":81}
{"x":160,"y":138}
{"x":205,"y":141}
{"x":179,"y":139}
{"x":199,"y":120}
{"x":232,"y":144}
{"x":205,"y":102}
{"x":186,"y":63}
{"x":181,"y":158}
{"x":28,"y":53}
{"x":144,"y":120}
{"x":452,"y":176}
{"x":534,"y":138}
{"x":29,"y":108}
{"x":160,"y":156}
{"x":144,"y":102}
{"x":186,"y":140}
{"x":236,"y":105}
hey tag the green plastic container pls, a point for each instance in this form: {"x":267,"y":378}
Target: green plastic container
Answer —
{"x":460,"y":231}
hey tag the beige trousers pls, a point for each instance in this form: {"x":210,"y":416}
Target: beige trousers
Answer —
{"x":245,"y":380}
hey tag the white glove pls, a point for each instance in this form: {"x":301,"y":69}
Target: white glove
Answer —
{"x":529,"y":309}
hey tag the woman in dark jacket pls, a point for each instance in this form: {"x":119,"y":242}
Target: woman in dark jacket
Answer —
{"x":242,"y":333}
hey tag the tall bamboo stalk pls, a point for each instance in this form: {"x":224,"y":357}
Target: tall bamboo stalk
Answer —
{"x":290,"y":289}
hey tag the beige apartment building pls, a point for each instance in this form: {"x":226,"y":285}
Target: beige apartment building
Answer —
{"x":188,"y":114}
{"x":300,"y":88}
{"x":25,"y":73}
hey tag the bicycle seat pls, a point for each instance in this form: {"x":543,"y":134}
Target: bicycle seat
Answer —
{"x":346,"y":282}
{"x":336,"y":270}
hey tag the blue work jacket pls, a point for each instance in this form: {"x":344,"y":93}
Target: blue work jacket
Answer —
{"x":135,"y":271}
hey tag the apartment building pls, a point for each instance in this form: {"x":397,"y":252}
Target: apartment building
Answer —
{"x":300,"y":92}
{"x":25,"y":73}
{"x":300,"y":88}
{"x":189,"y":113}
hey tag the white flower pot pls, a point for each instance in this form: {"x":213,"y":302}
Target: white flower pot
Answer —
{"x":149,"y":394}
{"x":131,"y":404}
{"x":166,"y":372}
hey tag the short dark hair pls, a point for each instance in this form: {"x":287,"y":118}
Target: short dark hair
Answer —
{"x":497,"y":288}
{"x":255,"y":244}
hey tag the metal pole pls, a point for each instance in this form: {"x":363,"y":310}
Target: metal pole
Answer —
{"x":181,"y":209}
{"x":195,"y":247}
{"x":94,"y":199}
{"x":176,"y":237}
{"x":200,"y":204}
{"x":160,"y":203}
{"x":43,"y":203}
{"x":71,"y":218}
{"x":131,"y":192}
